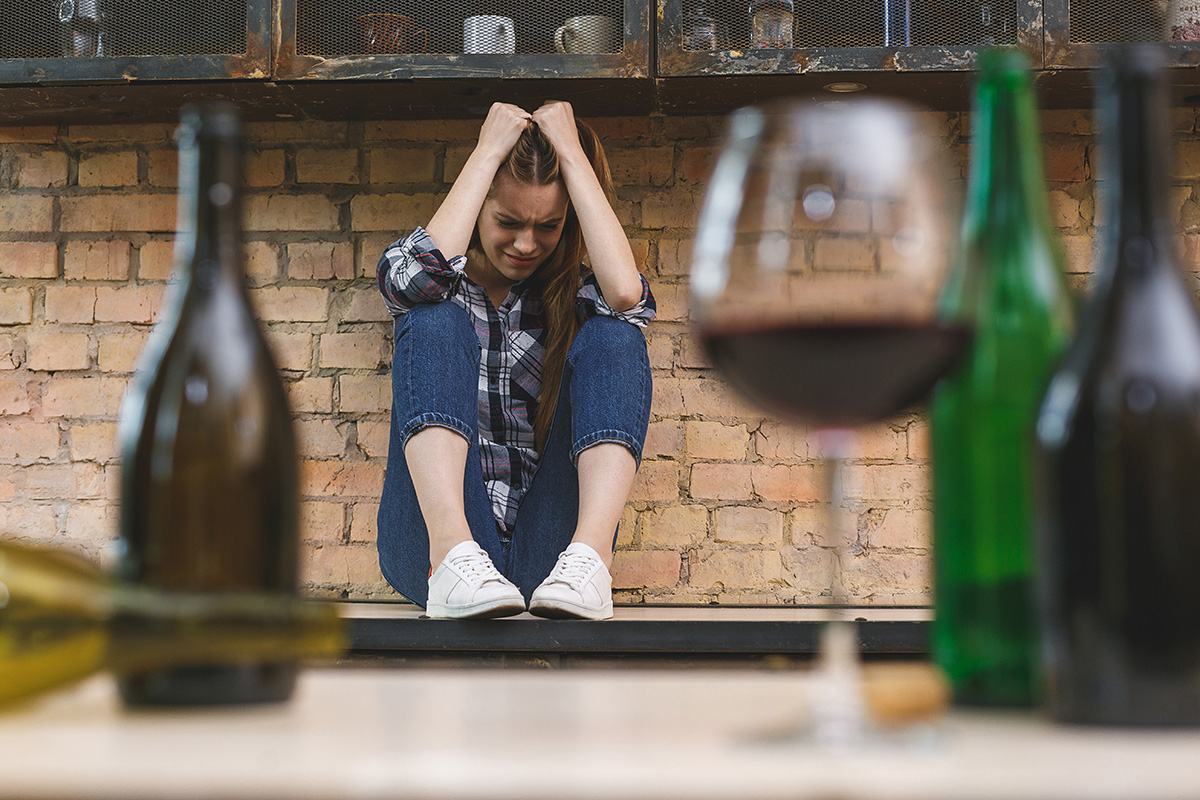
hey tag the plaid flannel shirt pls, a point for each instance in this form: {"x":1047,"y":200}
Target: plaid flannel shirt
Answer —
{"x":512,"y":337}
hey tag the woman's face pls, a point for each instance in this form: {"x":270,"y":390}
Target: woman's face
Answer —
{"x":520,"y":225}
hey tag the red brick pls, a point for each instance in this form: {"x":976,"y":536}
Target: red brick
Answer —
{"x":365,"y":305}
{"x":721,"y":482}
{"x":128,"y":303}
{"x":657,"y":481}
{"x":320,"y":438}
{"x":634,"y":569}
{"x":280,"y":212}
{"x":733,"y":569}
{"x":310,"y":395}
{"x":747,"y":525}
{"x":265,"y":168}
{"x":149,"y":132}
{"x":664,"y":438}
{"x":677,"y":526}
{"x":364,"y":394}
{"x":322,"y":521}
{"x":261,"y":263}
{"x":675,"y":256}
{"x":26,"y":441}
{"x":33,"y":523}
{"x":716,"y":441}
{"x":786,"y":483}
{"x":661,"y":349}
{"x":456,"y":158}
{"x":30,"y":134}
{"x":100,"y":261}
{"x":392,"y":212}
{"x":880,"y":578}
{"x":91,"y":524}
{"x":57,"y":351}
{"x":782,"y":441}
{"x":28,"y":260}
{"x":59,"y":481}
{"x":156,"y":259}
{"x":712,"y":397}
{"x":96,"y":441}
{"x":902,"y":529}
{"x":351,"y":350}
{"x":918,"y":440}
{"x":16,"y":306}
{"x":337,"y":568}
{"x":326,"y":133}
{"x":401,"y":165}
{"x":422,"y":131}
{"x":147,"y":213}
{"x":880,"y":441}
{"x":292,"y":351}
{"x":1065,"y":158}
{"x":363,"y":527}
{"x":327,"y":166}
{"x":108,"y":169}
{"x":667,"y":397}
{"x":44,"y":170}
{"x":83,"y":397}
{"x":163,"y":168}
{"x":340,"y":479}
{"x":370,"y":249}
{"x":14,"y":396}
{"x":672,"y":301}
{"x":20,"y":213}
{"x":119,"y":352}
{"x":291,"y":304}
{"x":899,"y":484}
{"x":677,"y":209}
{"x":321,"y":260}
{"x":69,"y":304}
{"x":373,"y":436}
{"x":692,"y":353}
{"x":808,"y":572}
{"x":11,"y":352}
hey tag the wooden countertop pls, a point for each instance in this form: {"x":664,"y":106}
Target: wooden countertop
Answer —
{"x":525,"y":735}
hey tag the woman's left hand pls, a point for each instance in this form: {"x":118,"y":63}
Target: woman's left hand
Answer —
{"x":557,"y":120}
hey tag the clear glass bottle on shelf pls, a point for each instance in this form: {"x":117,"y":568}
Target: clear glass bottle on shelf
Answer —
{"x":702,"y":29}
{"x":771,"y":23}
{"x":84,"y":28}
{"x":897,"y":18}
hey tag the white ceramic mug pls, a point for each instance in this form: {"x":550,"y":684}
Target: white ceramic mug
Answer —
{"x":490,"y":34}
{"x":588,"y":34}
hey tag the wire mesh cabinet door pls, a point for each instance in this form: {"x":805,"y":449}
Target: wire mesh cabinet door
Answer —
{"x":726,"y":37}
{"x":1077,"y":30}
{"x":49,"y":41}
{"x":390,"y":39}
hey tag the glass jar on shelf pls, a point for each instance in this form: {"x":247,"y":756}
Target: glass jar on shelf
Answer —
{"x":771,"y":23}
{"x":702,"y":29}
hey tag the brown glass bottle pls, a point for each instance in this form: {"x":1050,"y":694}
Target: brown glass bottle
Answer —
{"x":1119,"y":440}
{"x":209,"y":485}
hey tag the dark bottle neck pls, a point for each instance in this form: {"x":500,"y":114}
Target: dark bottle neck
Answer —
{"x":1006,"y":187}
{"x":210,"y":178}
{"x":1135,"y":145}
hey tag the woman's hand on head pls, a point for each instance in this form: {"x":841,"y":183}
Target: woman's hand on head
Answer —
{"x":503,"y":126}
{"x":557,"y":120}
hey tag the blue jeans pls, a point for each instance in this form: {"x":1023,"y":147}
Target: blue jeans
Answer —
{"x":604,"y":397}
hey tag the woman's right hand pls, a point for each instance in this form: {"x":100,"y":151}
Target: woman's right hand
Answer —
{"x":503,"y":126}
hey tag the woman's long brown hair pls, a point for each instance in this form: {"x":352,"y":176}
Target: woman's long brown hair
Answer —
{"x":534,"y":162}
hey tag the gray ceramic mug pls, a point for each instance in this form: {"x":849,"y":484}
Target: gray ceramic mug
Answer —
{"x":489,"y":34}
{"x":588,"y":34}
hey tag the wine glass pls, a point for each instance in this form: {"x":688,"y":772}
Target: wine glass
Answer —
{"x":820,"y":257}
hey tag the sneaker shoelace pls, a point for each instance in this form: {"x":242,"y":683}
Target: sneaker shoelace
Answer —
{"x":477,"y":569}
{"x":573,"y":569}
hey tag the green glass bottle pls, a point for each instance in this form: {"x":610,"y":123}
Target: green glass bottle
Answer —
{"x":1009,"y":287}
{"x":61,"y":620}
{"x":209,"y":494}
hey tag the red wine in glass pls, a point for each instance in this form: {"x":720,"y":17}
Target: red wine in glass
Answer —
{"x":835,"y":374}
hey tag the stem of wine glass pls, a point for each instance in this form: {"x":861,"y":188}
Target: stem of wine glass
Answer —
{"x":838,"y":713}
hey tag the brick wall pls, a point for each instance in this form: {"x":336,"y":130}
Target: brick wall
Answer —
{"x":726,"y":507}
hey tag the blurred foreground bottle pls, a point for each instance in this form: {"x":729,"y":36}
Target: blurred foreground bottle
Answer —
{"x":209,"y":485}
{"x":1009,"y":288}
{"x":1120,"y":437}
{"x":61,"y":620}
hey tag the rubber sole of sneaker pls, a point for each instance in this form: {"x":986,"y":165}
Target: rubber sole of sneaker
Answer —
{"x":489,"y":610}
{"x":558,"y":609}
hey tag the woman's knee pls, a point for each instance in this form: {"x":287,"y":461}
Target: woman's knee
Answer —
{"x":442,"y":323}
{"x":609,"y":338}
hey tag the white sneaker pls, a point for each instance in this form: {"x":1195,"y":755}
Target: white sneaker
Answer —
{"x":467,"y":585}
{"x":578,"y":586}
